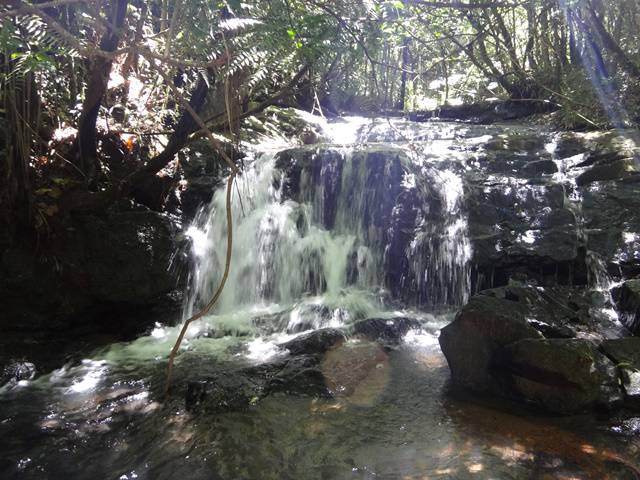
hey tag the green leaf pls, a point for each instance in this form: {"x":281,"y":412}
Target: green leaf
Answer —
{"x":291,"y":33}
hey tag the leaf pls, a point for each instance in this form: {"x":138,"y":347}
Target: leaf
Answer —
{"x":291,"y":33}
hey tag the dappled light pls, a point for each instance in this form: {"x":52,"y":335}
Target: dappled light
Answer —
{"x":320,"y":240}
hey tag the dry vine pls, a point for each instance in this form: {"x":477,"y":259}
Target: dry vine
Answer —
{"x":234,"y":171}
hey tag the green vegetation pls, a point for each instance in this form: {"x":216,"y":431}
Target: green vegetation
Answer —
{"x":98,"y":98}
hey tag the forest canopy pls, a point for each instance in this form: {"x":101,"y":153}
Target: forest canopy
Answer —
{"x":98,"y":97}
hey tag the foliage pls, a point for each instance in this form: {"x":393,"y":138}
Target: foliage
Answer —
{"x":74,"y":74}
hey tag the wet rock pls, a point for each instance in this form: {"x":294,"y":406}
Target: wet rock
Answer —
{"x":627,"y":298}
{"x":224,"y":391}
{"x":625,"y":353}
{"x":16,"y":372}
{"x":561,"y":375}
{"x":239,"y":389}
{"x":612,"y":218}
{"x":388,"y":331}
{"x":611,"y":171}
{"x":299,"y":375}
{"x":473,"y":341}
{"x":524,"y":342}
{"x":540,"y":167}
{"x":318,"y":341}
{"x":523,"y":229}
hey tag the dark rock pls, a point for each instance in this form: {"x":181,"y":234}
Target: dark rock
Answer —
{"x":16,"y":372}
{"x":388,"y":331}
{"x":612,"y":218}
{"x":97,"y":271}
{"x":299,"y":375}
{"x":518,"y":341}
{"x":240,"y":389}
{"x":318,"y":341}
{"x":627,"y":298}
{"x":609,"y":171}
{"x":544,"y":167}
{"x":625,"y":353}
{"x":486,"y":112}
{"x":473,"y":341}
{"x":563,"y":376}
{"x":224,"y":391}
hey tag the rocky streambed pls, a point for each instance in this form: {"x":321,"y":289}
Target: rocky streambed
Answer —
{"x":359,"y":259}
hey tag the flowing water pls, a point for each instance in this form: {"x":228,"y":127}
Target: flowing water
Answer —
{"x":372,"y":224}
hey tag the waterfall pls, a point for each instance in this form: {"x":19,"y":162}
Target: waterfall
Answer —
{"x":348,"y":229}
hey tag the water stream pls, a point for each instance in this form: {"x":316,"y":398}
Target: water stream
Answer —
{"x":371,"y":224}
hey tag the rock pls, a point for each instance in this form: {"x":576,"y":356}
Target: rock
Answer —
{"x":241,"y":388}
{"x":473,"y":341}
{"x":225,"y":391}
{"x":356,"y":370}
{"x":625,"y":353}
{"x":540,"y":167}
{"x":485,"y":112}
{"x":609,"y":171}
{"x":525,"y":342}
{"x":627,"y":298}
{"x":318,"y":341}
{"x":102,"y":273}
{"x":564,"y":376}
{"x":612,"y":218}
{"x":299,"y":375}
{"x":388,"y":331}
{"x":16,"y":372}
{"x":203,"y":169}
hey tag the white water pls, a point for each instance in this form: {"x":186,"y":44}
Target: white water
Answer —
{"x":323,"y":253}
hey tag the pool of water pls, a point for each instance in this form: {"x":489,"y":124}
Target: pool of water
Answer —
{"x":108,"y":418}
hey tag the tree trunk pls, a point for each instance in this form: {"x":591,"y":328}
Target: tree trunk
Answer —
{"x":86,"y":144}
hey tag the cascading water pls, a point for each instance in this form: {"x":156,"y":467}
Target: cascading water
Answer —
{"x":373,"y":223}
{"x":348,"y":227}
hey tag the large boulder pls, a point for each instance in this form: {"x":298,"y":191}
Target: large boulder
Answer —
{"x":473,"y":342}
{"x":561,"y":375}
{"x":535,"y":344}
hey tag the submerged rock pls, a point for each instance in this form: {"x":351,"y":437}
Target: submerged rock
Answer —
{"x":388,"y":331}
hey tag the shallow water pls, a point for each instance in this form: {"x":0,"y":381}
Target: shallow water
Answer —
{"x":107,"y":417}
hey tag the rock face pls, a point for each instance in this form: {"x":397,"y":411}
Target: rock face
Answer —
{"x":539,"y":345}
{"x":561,"y":375}
{"x":628,"y":300}
{"x":97,"y":274}
{"x":625,"y":353}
